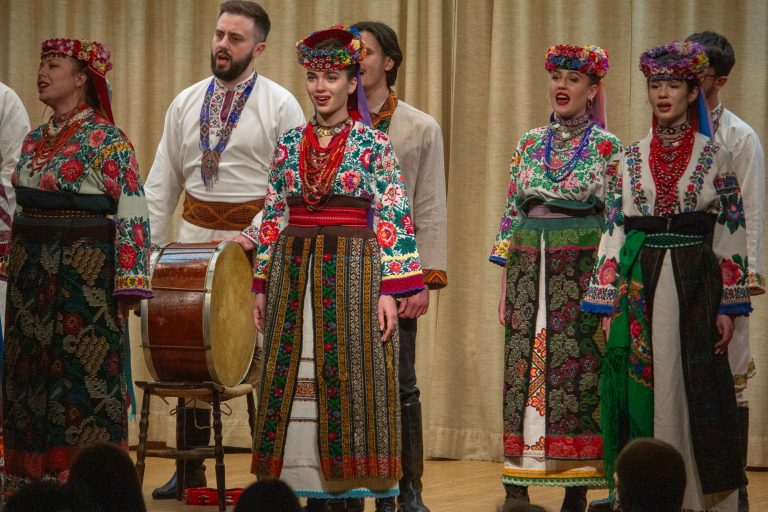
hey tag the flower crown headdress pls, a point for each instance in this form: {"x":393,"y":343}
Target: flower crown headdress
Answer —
{"x":95,"y":54}
{"x":352,"y":51}
{"x":688,"y":61}
{"x":591,"y":60}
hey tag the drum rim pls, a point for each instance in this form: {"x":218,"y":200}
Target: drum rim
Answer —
{"x":207,"y":344}
{"x":146,"y":348}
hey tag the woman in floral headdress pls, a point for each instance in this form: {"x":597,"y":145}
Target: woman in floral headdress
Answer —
{"x":671,"y":273}
{"x":78,"y":263}
{"x":335,"y":247}
{"x":560,"y":177}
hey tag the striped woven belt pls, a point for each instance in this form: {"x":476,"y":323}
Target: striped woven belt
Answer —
{"x":58,"y":214}
{"x":220,"y":216}
{"x":329,"y":216}
{"x":671,"y":240}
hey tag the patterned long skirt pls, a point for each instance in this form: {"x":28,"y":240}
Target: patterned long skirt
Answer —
{"x":329,"y":417}
{"x":552,"y":357}
{"x":63,"y":382}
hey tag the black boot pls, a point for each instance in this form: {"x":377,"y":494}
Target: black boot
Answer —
{"x":197,"y":433}
{"x":386,"y":505}
{"x":603,"y":505}
{"x":516,"y":494}
{"x":317,"y":505}
{"x":352,"y":505}
{"x":412,"y":460}
{"x":743,"y":414}
{"x":575,"y":499}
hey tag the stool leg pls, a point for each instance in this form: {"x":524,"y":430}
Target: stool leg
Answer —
{"x":251,"y":415}
{"x":181,"y":467}
{"x":219,"y":451}
{"x":143,"y":427}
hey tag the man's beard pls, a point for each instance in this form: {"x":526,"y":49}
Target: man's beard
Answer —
{"x":236,"y":67}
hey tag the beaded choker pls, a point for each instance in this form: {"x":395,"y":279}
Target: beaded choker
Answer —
{"x":326,"y":131}
{"x":565,"y":129}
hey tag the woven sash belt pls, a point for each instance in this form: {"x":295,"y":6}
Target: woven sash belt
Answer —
{"x":220,"y":216}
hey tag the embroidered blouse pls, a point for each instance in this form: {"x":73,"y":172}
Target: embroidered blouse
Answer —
{"x":99,"y":159}
{"x":593,"y":177}
{"x":707,"y":185}
{"x":369,"y":170}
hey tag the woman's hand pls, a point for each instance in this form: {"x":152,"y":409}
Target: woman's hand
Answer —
{"x":724,"y":325}
{"x":605,"y":323}
{"x":502,"y":319}
{"x":125,"y":303}
{"x":387,"y":316}
{"x":259,"y":302}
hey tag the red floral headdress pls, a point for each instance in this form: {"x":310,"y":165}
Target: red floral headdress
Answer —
{"x":352,"y":51}
{"x":93,"y":53}
{"x":591,"y":60}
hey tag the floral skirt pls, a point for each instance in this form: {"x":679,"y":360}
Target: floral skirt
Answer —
{"x":63,"y":382}
{"x":552,"y":357}
{"x":329,"y":414}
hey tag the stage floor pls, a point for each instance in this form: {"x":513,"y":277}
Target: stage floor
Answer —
{"x":449,"y":486}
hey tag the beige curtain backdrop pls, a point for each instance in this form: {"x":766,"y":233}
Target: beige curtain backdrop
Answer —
{"x":477,"y":67}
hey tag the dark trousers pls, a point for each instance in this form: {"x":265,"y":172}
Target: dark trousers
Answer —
{"x":409,"y":392}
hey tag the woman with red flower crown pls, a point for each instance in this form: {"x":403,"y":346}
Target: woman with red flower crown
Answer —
{"x":336,"y":247}
{"x":77,"y":265}
{"x":676,"y":244}
{"x":560,"y":178}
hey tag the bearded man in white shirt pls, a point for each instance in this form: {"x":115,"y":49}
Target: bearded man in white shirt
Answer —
{"x":217,"y":146}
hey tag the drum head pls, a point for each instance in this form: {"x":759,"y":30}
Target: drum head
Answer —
{"x":229,"y":315}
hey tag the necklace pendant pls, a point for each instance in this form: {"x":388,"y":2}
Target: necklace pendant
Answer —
{"x":210,"y":164}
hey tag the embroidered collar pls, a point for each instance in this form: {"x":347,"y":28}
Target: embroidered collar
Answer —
{"x":717,"y":113}
{"x":383,"y":117}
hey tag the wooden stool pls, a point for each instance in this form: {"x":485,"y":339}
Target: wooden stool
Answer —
{"x":210,"y":392}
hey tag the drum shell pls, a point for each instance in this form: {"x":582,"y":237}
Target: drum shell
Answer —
{"x":177,"y":323}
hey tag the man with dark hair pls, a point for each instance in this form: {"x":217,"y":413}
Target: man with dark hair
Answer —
{"x":748,"y":163}
{"x":418,"y":144}
{"x":217,"y":146}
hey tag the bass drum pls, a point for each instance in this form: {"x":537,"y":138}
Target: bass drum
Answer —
{"x":199,"y":326}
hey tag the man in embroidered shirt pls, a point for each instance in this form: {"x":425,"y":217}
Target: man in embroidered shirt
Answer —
{"x":14,"y":126}
{"x":217,"y":146}
{"x":748,"y":163}
{"x":418,"y":144}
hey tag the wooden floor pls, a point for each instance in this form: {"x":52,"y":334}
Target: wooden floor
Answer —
{"x":449,"y":486}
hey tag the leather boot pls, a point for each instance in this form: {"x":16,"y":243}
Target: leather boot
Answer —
{"x":386,"y":505}
{"x":575,"y":499}
{"x":743,"y":414}
{"x":197,"y":433}
{"x":603,"y":505}
{"x":353,"y":505}
{"x":412,"y":458}
{"x":317,"y":505}
{"x":515,"y":494}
